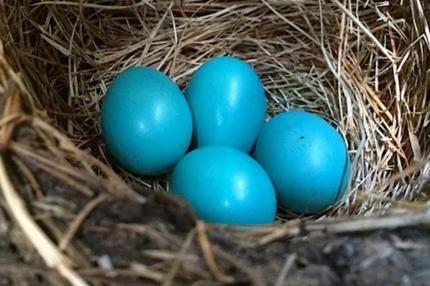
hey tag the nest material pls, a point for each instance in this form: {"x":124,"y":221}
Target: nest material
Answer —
{"x":363,"y":65}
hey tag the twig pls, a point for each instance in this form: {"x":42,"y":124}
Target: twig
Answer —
{"x":285,"y":269}
{"x":30,"y":177}
{"x":208,"y":254}
{"x":12,"y":107}
{"x":79,"y":219}
{"x":371,"y":223}
{"x":288,"y":230}
{"x":348,"y":225}
{"x":179,"y":259}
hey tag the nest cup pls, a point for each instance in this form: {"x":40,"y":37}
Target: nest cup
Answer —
{"x":361,"y":65}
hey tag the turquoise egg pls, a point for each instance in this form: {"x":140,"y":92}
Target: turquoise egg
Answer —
{"x":224,"y":185}
{"x":306,"y":159}
{"x":227,"y":102}
{"x":146,"y":122}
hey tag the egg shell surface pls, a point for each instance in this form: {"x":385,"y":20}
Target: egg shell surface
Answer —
{"x":306,"y":159}
{"x":224,"y":185}
{"x":227,"y":102}
{"x":146,"y":121}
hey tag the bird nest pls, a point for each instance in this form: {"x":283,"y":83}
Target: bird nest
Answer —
{"x":362,"y":65}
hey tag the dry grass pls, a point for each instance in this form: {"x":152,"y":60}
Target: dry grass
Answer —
{"x":363,"y":65}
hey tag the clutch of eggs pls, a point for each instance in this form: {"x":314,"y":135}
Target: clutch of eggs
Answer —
{"x":300,"y":159}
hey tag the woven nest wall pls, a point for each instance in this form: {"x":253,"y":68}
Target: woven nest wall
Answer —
{"x":362,"y":65}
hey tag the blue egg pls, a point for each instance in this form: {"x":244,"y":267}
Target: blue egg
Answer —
{"x":306,"y":159}
{"x":224,"y":185}
{"x":146,"y":122}
{"x":227,"y":102}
